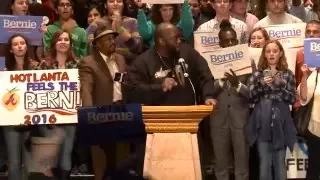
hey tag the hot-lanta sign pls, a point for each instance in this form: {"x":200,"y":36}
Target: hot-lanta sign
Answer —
{"x":224,"y":59}
{"x":290,"y":35}
{"x":39,"y":97}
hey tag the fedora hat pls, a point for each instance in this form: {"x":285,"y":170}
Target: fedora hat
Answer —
{"x":104,"y":33}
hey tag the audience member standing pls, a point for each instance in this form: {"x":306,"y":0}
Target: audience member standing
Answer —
{"x":312,"y":31}
{"x":222,"y":8}
{"x":239,"y":11}
{"x":98,"y":87}
{"x":228,"y":121}
{"x":165,"y":13}
{"x":277,"y":14}
{"x":129,"y":42}
{"x":79,"y":37}
{"x":272,"y":88}
{"x":309,"y":93}
{"x":297,"y":9}
{"x":198,"y":17}
{"x":17,"y":59}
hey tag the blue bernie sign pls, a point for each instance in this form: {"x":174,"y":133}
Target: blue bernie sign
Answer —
{"x":111,"y":123}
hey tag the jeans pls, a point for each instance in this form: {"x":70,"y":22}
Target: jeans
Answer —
{"x":269,"y":158}
{"x":65,"y":154}
{"x":18,"y":154}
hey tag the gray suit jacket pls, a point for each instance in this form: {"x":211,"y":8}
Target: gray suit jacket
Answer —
{"x":232,"y":107}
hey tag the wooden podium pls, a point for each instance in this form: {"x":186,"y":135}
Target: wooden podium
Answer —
{"x":172,"y":146}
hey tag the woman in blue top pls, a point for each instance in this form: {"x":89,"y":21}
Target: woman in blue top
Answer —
{"x":164,"y":13}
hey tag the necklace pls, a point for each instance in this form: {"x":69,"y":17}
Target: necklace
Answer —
{"x":165,"y":64}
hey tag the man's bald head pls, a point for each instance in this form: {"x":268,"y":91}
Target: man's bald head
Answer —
{"x":162,"y":30}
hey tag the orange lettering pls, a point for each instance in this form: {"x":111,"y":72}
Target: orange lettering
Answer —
{"x":65,"y":76}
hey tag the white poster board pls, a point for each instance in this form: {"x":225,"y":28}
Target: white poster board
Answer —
{"x":223,"y":59}
{"x":297,"y":161}
{"x":39,"y":97}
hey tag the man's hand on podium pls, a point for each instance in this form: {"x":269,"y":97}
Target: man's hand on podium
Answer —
{"x":168,"y":84}
{"x":210,"y":102}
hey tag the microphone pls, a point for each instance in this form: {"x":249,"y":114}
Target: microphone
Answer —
{"x":186,"y":75}
{"x":183,"y":67}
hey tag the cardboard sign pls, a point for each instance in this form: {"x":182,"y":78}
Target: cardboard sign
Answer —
{"x":224,"y":59}
{"x":289,"y":35}
{"x":39,"y":97}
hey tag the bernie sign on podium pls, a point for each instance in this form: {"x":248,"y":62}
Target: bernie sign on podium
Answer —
{"x":111,"y":123}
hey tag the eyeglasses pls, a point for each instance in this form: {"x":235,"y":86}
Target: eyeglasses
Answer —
{"x":65,"y":5}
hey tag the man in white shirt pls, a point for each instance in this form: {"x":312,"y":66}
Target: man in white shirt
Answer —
{"x":222,"y":8}
{"x":277,"y":14}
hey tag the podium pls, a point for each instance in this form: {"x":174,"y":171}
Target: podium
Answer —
{"x":172,"y":146}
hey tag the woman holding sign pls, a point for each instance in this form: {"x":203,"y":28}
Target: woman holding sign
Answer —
{"x":61,"y":57}
{"x":16,"y":59}
{"x":309,"y":92}
{"x":272,"y":89}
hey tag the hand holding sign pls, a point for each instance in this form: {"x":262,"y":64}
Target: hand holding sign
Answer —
{"x":232,"y":78}
{"x":305,"y":70}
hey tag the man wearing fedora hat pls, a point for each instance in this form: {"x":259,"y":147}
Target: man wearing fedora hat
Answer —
{"x":101,"y":84}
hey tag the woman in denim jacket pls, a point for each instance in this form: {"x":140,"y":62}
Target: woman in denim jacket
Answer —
{"x":272,"y":89}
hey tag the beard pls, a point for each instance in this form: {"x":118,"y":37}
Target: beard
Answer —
{"x":173,"y":52}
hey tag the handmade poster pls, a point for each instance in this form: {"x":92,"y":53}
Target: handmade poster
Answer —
{"x":28,"y":26}
{"x":224,"y":59}
{"x":39,"y":97}
{"x":312,"y":52}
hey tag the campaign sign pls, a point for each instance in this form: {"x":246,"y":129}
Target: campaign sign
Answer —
{"x":28,"y":26}
{"x":110,"y":123}
{"x":39,"y":97}
{"x":224,"y":59}
{"x":312,"y":52}
{"x":206,"y":41}
{"x":289,"y":35}
{"x":297,"y":161}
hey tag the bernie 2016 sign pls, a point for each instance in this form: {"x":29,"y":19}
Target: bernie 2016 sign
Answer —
{"x":28,"y":26}
{"x":39,"y":97}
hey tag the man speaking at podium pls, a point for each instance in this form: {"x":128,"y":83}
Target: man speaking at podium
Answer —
{"x":170,"y":73}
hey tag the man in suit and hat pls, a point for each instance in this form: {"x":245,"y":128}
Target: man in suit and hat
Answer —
{"x":101,"y":85}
